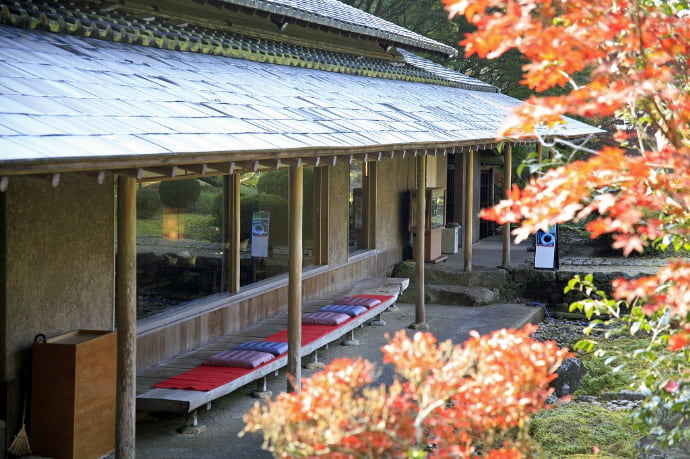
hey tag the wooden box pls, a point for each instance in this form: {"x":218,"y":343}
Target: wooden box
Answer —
{"x":73,"y":395}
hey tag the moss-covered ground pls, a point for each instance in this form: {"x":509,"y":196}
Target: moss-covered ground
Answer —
{"x":572,"y":430}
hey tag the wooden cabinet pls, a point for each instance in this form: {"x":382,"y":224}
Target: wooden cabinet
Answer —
{"x":73,"y":395}
{"x":434,"y":222}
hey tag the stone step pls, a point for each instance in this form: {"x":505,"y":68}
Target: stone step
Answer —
{"x":459,"y":295}
{"x":446,"y":274}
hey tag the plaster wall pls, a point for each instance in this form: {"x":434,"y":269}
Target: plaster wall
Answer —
{"x":394,"y":179}
{"x":59,"y":273}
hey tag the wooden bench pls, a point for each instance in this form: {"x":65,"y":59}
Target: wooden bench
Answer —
{"x":182,"y":401}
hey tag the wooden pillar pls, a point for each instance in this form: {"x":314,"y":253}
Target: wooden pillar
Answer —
{"x":540,"y":153}
{"x":295,"y":277}
{"x":126,"y":285}
{"x":469,"y":208}
{"x":419,"y":240}
{"x":231,"y":232}
{"x":508,"y":163}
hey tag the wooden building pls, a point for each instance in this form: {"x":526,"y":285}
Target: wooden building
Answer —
{"x":269,"y":148}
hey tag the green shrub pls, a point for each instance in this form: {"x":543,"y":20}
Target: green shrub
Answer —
{"x":205,"y":205}
{"x":148,"y":203}
{"x":179,"y":194}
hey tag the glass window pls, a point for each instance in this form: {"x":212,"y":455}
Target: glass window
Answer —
{"x":180,"y":236}
{"x":357,"y":208}
{"x":179,"y":243}
{"x":264,"y":212}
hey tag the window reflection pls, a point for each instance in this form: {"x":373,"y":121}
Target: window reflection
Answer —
{"x":180,"y":236}
{"x":179,"y":242}
{"x":264,"y":224}
{"x":357,"y":208}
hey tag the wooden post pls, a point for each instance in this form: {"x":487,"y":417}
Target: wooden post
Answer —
{"x":508,"y":164}
{"x":469,"y":208}
{"x":540,"y":153}
{"x":295,"y":277}
{"x":126,"y":285}
{"x":231,"y":231}
{"x":419,"y":241}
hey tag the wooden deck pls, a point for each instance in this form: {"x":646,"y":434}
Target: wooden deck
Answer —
{"x":186,"y":401}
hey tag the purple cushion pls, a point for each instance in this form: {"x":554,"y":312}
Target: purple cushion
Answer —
{"x":272,"y":347}
{"x":344,"y":309}
{"x":324,"y":318}
{"x":358,"y":301}
{"x":239,"y":358}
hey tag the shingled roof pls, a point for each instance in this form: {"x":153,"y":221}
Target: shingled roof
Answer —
{"x":81,"y":90}
{"x":332,"y":13}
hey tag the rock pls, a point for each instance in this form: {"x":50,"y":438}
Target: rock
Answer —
{"x":570,"y":375}
{"x":459,"y":295}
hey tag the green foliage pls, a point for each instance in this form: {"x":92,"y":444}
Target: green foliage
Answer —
{"x":616,"y":364}
{"x":148,"y":202}
{"x":179,"y":194}
{"x":277,"y":183}
{"x":572,"y":430}
{"x":202,"y":228}
{"x":660,"y":373}
{"x":274,"y":182}
{"x":208,"y":196}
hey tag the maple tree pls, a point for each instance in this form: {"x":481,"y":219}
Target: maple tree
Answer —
{"x":635,"y":53}
{"x":448,"y":400}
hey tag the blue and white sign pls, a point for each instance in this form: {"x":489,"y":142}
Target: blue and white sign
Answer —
{"x":260,"y":224}
{"x":546,"y":251}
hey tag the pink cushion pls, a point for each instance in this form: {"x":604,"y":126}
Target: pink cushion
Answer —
{"x":358,"y":301}
{"x":239,"y":358}
{"x":324,"y":318}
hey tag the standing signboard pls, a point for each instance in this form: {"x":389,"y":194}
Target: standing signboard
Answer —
{"x":546,"y":250}
{"x":260,"y":226}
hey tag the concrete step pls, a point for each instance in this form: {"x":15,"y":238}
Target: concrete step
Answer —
{"x":447,"y":274}
{"x":459,"y":295}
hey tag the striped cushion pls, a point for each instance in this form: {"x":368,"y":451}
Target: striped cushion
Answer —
{"x":358,"y":301}
{"x":272,"y":347}
{"x":239,"y":358}
{"x":324,"y":318}
{"x":344,"y":309}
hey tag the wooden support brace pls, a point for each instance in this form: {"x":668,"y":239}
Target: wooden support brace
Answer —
{"x":262,"y":392}
{"x":191,"y":426}
{"x":315,"y":364}
{"x":378,"y":322}
{"x":352,"y":341}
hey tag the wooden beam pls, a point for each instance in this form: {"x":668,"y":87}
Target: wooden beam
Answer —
{"x":420,"y":307}
{"x":469,"y":208}
{"x":199,"y":169}
{"x":508,"y":174}
{"x":295,"y":278}
{"x":4,"y":183}
{"x":170,"y":171}
{"x":126,"y":285}
{"x":137,"y":173}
